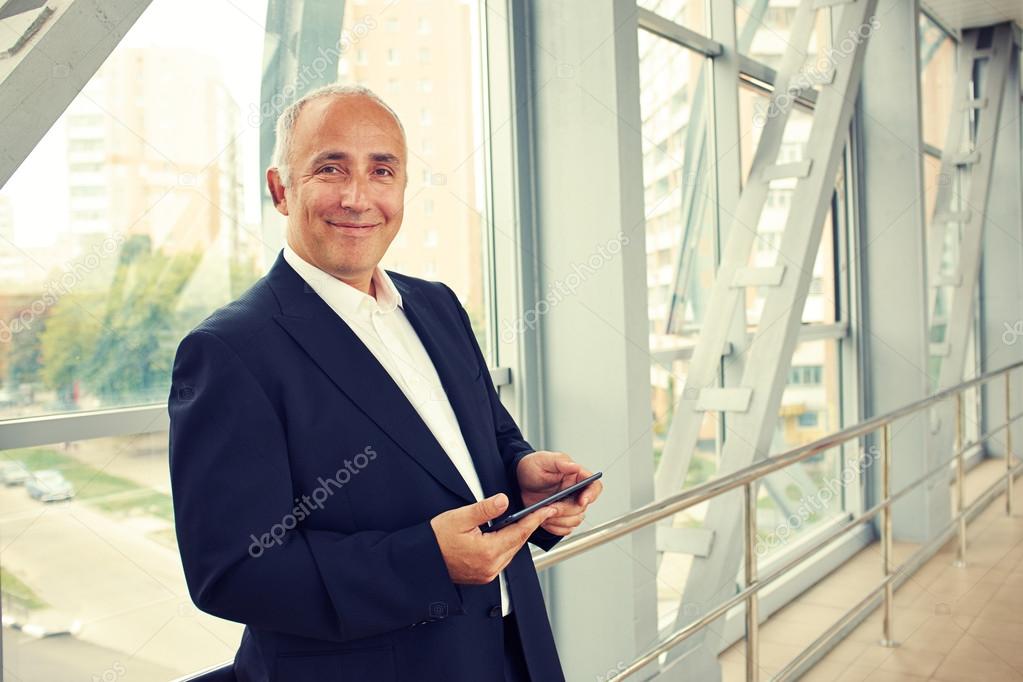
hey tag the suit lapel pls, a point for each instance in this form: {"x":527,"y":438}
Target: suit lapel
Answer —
{"x":336,"y":349}
{"x":440,"y":342}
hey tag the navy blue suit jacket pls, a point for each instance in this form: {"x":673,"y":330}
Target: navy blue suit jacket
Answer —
{"x":304,"y":483}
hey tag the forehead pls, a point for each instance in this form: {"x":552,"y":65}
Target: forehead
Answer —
{"x":353,"y":123}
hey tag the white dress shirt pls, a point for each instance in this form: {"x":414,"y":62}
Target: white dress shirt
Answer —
{"x":381,"y":325}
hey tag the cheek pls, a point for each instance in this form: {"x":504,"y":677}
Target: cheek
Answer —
{"x":393,"y":204}
{"x":320,"y":203}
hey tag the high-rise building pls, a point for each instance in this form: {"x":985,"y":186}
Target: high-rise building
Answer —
{"x":169,"y":172}
{"x":395,"y":50}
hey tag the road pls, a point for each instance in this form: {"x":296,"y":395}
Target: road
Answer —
{"x":126,"y":592}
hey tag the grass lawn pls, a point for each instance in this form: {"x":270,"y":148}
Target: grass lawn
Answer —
{"x":19,"y":591}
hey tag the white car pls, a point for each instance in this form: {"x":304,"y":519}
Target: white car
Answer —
{"x":13,"y":472}
{"x":49,"y":486}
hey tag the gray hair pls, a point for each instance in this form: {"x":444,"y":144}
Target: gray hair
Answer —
{"x":286,"y":121}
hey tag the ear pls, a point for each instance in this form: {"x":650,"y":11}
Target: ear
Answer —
{"x":277,"y":190}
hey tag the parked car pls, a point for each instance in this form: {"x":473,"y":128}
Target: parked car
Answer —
{"x":49,"y":486}
{"x":13,"y":472}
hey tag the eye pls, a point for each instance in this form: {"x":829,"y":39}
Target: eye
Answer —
{"x":387,"y":171}
{"x":329,"y":168}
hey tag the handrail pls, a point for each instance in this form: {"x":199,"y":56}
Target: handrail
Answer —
{"x":659,"y":509}
{"x":748,"y":476}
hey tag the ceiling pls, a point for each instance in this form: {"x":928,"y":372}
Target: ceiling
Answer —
{"x":960,"y":14}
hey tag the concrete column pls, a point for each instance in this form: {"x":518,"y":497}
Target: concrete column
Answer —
{"x":1001,"y":278}
{"x":892,"y":244}
{"x":591,"y":304}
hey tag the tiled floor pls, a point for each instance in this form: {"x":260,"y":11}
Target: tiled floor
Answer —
{"x":953,"y":624}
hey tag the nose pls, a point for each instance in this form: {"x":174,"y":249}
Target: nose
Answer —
{"x":354,"y":195}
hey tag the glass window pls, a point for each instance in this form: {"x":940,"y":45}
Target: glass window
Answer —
{"x":680,"y":231}
{"x":89,"y":545}
{"x":123,"y":233}
{"x":98,"y":286}
{"x":446,"y":172}
{"x":937,"y":80}
{"x":797,"y":498}
{"x":764,"y":28}
{"x":689,"y":13}
{"x":822,"y":302}
{"x":680,"y":246}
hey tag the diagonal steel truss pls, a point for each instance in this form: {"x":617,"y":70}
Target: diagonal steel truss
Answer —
{"x":752,"y":406}
{"x":956,"y":228}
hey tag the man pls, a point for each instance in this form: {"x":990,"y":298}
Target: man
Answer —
{"x":336,"y":444}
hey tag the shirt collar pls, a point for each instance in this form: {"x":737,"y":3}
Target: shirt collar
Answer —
{"x":345,"y":299}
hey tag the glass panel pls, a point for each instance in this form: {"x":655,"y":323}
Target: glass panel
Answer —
{"x":795,"y":499}
{"x":679,"y":212}
{"x":680,"y":247}
{"x":102,"y":564}
{"x":821,"y":305}
{"x":937,"y":80}
{"x":764,"y":30}
{"x":135,"y":216}
{"x":690,"y":13}
{"x":98,"y":286}
{"x":426,"y":65}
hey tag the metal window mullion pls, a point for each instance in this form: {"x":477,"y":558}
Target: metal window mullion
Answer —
{"x":677,"y":33}
{"x":42,"y":430}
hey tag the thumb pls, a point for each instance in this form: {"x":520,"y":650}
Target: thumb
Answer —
{"x":486,"y":509}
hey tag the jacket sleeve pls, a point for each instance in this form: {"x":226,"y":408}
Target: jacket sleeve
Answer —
{"x":510,"y":443}
{"x":246,"y":555}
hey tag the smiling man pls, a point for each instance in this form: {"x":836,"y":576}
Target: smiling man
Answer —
{"x":337,"y":443}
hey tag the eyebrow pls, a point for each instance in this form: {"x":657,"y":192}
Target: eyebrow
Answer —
{"x":376,"y":157}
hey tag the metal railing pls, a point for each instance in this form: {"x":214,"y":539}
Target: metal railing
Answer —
{"x":747,"y":478}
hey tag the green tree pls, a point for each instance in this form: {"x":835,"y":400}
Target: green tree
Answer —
{"x":120,"y":346}
{"x":25,"y":357}
{"x":68,"y":341}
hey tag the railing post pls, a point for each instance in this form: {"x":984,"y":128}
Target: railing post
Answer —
{"x":960,"y":561}
{"x":749,"y":508}
{"x":1009,"y":494}
{"x":887,"y":639}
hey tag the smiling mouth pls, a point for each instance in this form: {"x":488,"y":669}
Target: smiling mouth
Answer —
{"x":353,"y":225}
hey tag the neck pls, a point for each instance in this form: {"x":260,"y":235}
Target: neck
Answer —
{"x":364,"y":283}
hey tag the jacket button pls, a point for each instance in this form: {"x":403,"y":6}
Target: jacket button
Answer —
{"x":495,"y":611}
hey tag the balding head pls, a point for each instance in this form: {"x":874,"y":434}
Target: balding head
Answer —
{"x":286,"y":122}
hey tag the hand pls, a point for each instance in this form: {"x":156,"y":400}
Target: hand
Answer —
{"x":472,"y":556}
{"x":541,"y":474}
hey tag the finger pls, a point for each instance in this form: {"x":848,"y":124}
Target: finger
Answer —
{"x":562,"y":507}
{"x":515,"y":535}
{"x":475,"y":515}
{"x":521,"y":530}
{"x":558,"y":463}
{"x":567,"y":466}
{"x":590,"y":493}
{"x":564,"y":522}
{"x":567,"y":508}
